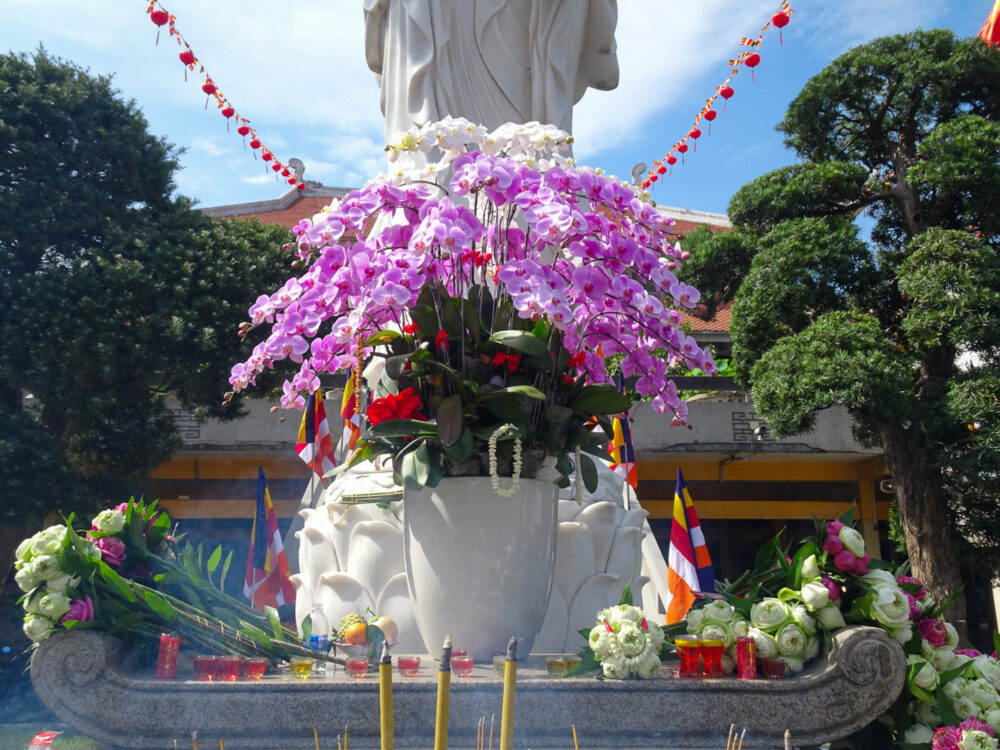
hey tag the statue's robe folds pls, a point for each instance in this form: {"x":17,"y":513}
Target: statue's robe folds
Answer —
{"x":490,"y":61}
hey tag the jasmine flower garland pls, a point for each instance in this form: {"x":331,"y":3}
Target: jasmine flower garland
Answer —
{"x":626,"y":643}
{"x":515,"y":486}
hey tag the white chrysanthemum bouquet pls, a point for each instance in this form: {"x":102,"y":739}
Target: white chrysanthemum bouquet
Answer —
{"x":626,"y":643}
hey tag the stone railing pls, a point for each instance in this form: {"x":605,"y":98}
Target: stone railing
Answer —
{"x":83,"y":677}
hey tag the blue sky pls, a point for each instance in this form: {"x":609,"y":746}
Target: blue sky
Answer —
{"x":297,"y":71}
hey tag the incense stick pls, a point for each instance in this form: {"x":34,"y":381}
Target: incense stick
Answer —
{"x":576,"y":744}
{"x":493,"y":719}
{"x":194,"y":740}
{"x":339,"y":746}
{"x":742,"y":734}
{"x":729,"y":740}
{"x":316,"y":735}
{"x":222,"y":744}
{"x":345,"y":737}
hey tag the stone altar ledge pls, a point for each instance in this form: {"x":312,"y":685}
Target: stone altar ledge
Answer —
{"x":81,"y":676}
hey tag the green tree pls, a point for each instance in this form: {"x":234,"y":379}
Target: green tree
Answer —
{"x":903,"y":129}
{"x":115,"y":293}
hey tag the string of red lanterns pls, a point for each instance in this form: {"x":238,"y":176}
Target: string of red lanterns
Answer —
{"x":749,"y":58}
{"x":161,"y":17}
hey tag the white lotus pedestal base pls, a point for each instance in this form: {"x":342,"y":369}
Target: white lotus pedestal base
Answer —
{"x":479,"y":566}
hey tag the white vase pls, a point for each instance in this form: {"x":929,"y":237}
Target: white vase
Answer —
{"x":479,"y":566}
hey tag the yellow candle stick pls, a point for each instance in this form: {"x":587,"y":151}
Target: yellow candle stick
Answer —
{"x":576,"y":744}
{"x":443,"y":697}
{"x":345,"y":738}
{"x":316,"y":736}
{"x":222,"y":744}
{"x":385,"y":698}
{"x":509,"y":686}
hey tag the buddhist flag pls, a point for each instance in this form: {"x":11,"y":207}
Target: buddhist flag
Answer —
{"x":622,"y":453}
{"x":315,"y":446}
{"x":990,"y":33}
{"x":689,"y":567}
{"x":350,"y":412}
{"x":267,"y":582}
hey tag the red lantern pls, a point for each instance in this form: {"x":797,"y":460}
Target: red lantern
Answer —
{"x":292,"y":180}
{"x":779,"y":20}
{"x":710,"y":115}
{"x":160,"y":18}
{"x":301,"y":186}
{"x":228,"y":112}
{"x":285,"y":172}
{"x":726,"y":92}
{"x":266,"y":156}
{"x":695,"y":134}
{"x":661,"y":170}
{"x":208,"y":87}
{"x":654,"y":177}
{"x":276,"y":166}
{"x":671,"y":160}
{"x":254,"y":144}
{"x":242,"y":130}
{"x":682,"y":148}
{"x":752,"y":61}
{"x":187,"y":57}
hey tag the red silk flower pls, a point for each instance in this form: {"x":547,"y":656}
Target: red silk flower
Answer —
{"x":511,"y":360}
{"x":441,"y":340}
{"x":403,"y":405}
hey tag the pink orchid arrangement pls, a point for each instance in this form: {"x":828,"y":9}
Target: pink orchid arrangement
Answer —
{"x":500,"y":293}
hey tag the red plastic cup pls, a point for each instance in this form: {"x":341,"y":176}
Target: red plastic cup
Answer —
{"x":711,"y":656}
{"x":204,"y":668}
{"x":408,"y":665}
{"x":773,"y":669}
{"x":228,"y":668}
{"x":166,"y":660}
{"x":253,"y":669}
{"x":689,"y":653}
{"x":357,"y":668}
{"x":461,"y":665}
{"x":746,"y":658}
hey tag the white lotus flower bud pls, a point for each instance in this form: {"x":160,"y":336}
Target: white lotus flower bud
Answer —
{"x":804,"y":618}
{"x":810,"y":568}
{"x":965,"y":708}
{"x":769,"y":613}
{"x":815,"y":595}
{"x":954,"y":688}
{"x":975,"y":739}
{"x":110,"y":521}
{"x":992,"y":717}
{"x":600,"y":641}
{"x":926,"y":676}
{"x":878,"y":576}
{"x":853,"y":540}
{"x":718,"y":611}
{"x":902,"y":634}
{"x":54,"y":605}
{"x":649,"y":666}
{"x":43,"y":567}
{"x":793,"y":665}
{"x":25,"y":580}
{"x":981,"y":692}
{"x":24,"y":550}
{"x":37,"y":628}
{"x":740,"y":627}
{"x":791,"y":640}
{"x":927,"y":713}
{"x":614,"y":667}
{"x":918,"y":734}
{"x":890,"y":605}
{"x":988,"y":667}
{"x":831,"y":617}
{"x":695,"y":617}
{"x":719,"y":631}
{"x":952,"y":641}
{"x":767,"y":647}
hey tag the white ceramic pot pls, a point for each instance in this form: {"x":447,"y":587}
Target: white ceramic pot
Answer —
{"x":479,"y":566}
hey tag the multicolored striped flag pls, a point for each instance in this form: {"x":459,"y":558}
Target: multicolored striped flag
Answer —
{"x":622,"y":453}
{"x":689,"y":567}
{"x":267,"y":582}
{"x":315,"y":446}
{"x":350,"y":412}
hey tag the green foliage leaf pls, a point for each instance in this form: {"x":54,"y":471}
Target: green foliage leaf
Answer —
{"x":159,"y":605}
{"x":396,"y":428}
{"x":600,"y":399}
{"x":526,"y":343}
{"x":450,"y":421}
{"x":214,"y":559}
{"x":588,"y":472}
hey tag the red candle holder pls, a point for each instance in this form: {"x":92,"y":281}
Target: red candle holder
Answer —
{"x":711,"y":656}
{"x":166,"y":660}
{"x":689,"y":653}
{"x":746,"y":658}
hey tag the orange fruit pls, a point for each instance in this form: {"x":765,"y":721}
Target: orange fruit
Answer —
{"x":356,"y":633}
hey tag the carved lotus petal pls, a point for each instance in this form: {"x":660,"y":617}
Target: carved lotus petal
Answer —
{"x":316,"y":551}
{"x":625,"y":559}
{"x":341,"y":594}
{"x":596,"y":593}
{"x":602,"y":518}
{"x":552,"y":637}
{"x":574,"y":557}
{"x":394,"y":602}
{"x":376,"y":554}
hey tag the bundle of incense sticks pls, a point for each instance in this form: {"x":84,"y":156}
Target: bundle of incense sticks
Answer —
{"x":733,"y":742}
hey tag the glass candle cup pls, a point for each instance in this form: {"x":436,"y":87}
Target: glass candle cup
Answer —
{"x":357,"y":667}
{"x":204,"y":668}
{"x":558,"y":666}
{"x":689,"y":653}
{"x":408,"y":665}
{"x":166,"y":660}
{"x":253,"y":668}
{"x":301,"y":667}
{"x":228,"y":668}
{"x":746,"y":658}
{"x":500,"y":664}
{"x":461,"y":652}
{"x":773,"y":669}
{"x":461,"y":665}
{"x":711,"y":656}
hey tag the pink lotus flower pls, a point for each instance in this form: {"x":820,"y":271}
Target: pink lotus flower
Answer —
{"x":833,"y":587}
{"x":112,"y":550}
{"x":970,"y":652}
{"x":972,"y":723}
{"x":861,"y":565}
{"x":915,"y":608}
{"x":920,"y":593}
{"x":845,"y":560}
{"x":80,"y":610}
{"x":833,"y":545}
{"x":946,"y":738}
{"x":933,"y":631}
{"x":833,"y":527}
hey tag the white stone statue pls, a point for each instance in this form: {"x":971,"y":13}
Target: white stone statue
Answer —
{"x":490,"y":61}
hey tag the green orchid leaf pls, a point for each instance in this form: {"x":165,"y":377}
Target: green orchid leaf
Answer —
{"x":471,"y":321}
{"x":600,"y":399}
{"x":520,"y":341}
{"x":557,"y":414}
{"x":626,"y":597}
{"x":949,"y":717}
{"x":385,"y":336}
{"x":461,"y":449}
{"x":274,"y":620}
{"x":414,"y":464}
{"x":588,"y":472}
{"x":214,"y":559}
{"x":395,"y":365}
{"x":159,"y":605}
{"x":450,"y":421}
{"x":513,"y":390}
{"x":391,"y":428}
{"x":225,"y":570}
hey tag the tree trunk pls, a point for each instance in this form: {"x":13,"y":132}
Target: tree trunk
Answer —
{"x":924,"y":519}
